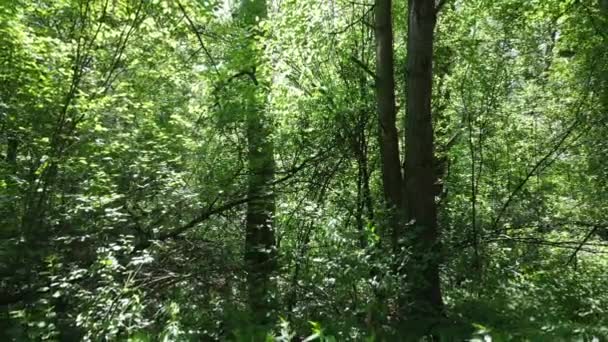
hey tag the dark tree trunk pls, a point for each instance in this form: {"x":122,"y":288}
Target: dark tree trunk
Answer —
{"x":260,"y":249}
{"x":423,"y":269}
{"x":11,"y":151}
{"x":8,"y":211}
{"x":389,"y":139}
{"x":260,"y":245}
{"x":365,"y":209}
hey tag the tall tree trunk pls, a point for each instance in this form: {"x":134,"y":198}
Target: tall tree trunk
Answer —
{"x":260,"y":245}
{"x":385,"y":98}
{"x":423,"y":268}
{"x":8,"y":211}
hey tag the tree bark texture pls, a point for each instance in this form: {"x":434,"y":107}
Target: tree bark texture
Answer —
{"x":260,"y":245}
{"x":423,"y":232}
{"x":388,"y":137}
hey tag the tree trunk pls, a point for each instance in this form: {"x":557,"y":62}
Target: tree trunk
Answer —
{"x":423,"y":268}
{"x":260,"y":246}
{"x":385,"y":98}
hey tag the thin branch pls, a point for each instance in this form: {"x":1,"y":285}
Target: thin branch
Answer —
{"x":365,"y":68}
{"x":122,"y":44}
{"x":206,"y":214}
{"x":522,"y":184}
{"x":542,"y":242}
{"x":250,"y":74}
{"x":354,"y":22}
{"x":578,"y":248}
{"x":212,"y":210}
{"x":198,"y":36}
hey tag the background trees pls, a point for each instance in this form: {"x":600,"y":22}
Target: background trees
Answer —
{"x":150,"y":148}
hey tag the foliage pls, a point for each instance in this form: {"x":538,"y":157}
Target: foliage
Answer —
{"x":124,"y":176}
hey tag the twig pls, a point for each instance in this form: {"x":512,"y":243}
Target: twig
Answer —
{"x":521,"y":185}
{"x":198,"y":36}
{"x":365,"y":68}
{"x":578,"y":248}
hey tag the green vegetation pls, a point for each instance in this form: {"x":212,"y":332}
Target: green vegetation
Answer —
{"x":256,"y":170}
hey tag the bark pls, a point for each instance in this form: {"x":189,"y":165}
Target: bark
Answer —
{"x":260,"y":249}
{"x":260,"y":245}
{"x":389,"y":139}
{"x":423,"y":268}
{"x":11,"y":152}
{"x":8,"y":211}
{"x":364,"y":210}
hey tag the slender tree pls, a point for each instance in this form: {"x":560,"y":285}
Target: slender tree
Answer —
{"x":260,"y":248}
{"x":385,"y":98}
{"x":423,"y":269}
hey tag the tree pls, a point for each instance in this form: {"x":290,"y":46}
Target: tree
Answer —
{"x":260,"y":247}
{"x":392,"y":180}
{"x":159,"y":160}
{"x":420,"y":175}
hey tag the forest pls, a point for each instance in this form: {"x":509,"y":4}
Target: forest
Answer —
{"x":303,"y":170}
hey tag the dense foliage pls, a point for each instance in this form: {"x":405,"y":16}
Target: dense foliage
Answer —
{"x":204,"y":170}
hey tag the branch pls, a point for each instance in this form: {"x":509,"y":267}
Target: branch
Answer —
{"x":354,"y":22}
{"x":578,"y":248}
{"x":250,"y":74}
{"x":365,"y":68}
{"x":521,"y":185}
{"x":206,"y":214}
{"x":198,"y":36}
{"x":221,"y":85}
{"x":549,"y":243}
{"x":212,"y":210}
{"x":120,"y":49}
